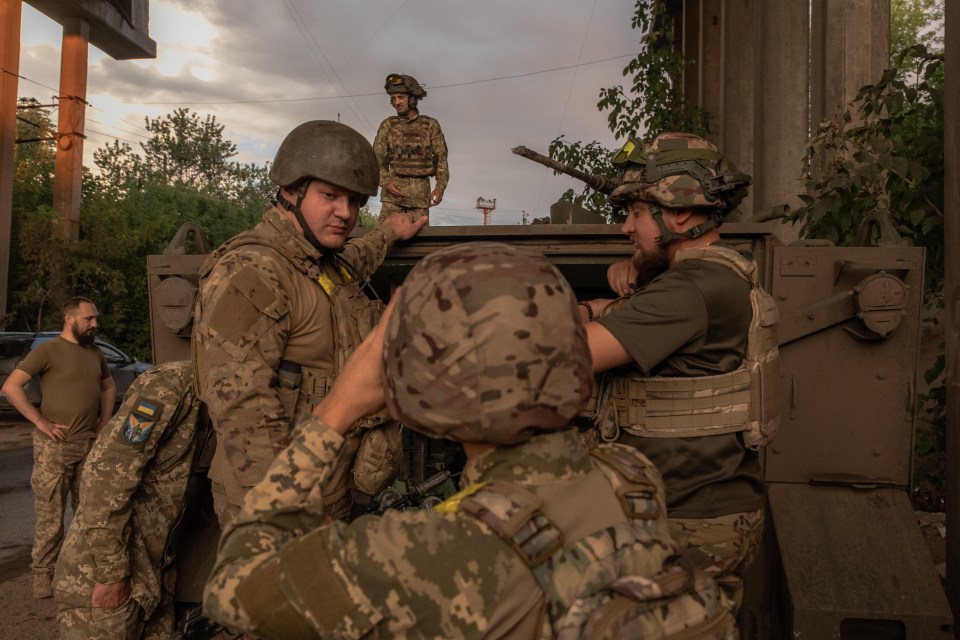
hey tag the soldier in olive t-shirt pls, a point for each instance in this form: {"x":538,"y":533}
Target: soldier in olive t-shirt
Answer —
{"x":78,"y":394}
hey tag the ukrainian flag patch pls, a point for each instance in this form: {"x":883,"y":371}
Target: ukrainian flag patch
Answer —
{"x":139,"y":423}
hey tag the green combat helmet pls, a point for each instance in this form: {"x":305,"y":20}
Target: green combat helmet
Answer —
{"x":678,"y":171}
{"x":485,"y":345}
{"x":399,"y":83}
{"x":328,"y":151}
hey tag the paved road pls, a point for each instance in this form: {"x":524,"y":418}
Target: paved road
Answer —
{"x":16,"y":511}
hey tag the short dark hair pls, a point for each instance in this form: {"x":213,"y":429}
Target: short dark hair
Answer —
{"x":72,"y":304}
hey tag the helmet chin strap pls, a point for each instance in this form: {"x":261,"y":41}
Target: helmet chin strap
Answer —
{"x":667,"y":236}
{"x":295,"y":210}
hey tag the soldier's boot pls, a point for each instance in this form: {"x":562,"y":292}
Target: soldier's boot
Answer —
{"x":42,"y":585}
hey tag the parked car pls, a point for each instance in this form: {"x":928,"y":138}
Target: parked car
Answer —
{"x":15,"y":345}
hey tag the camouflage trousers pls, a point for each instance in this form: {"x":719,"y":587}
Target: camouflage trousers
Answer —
{"x":126,"y":622}
{"x":724,"y":547}
{"x":388,"y":209}
{"x":57,"y":467}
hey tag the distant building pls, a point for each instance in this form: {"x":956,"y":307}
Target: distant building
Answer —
{"x":566,"y":212}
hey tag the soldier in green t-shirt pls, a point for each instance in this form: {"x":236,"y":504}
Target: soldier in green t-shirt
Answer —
{"x":78,"y":394}
{"x":688,"y":350}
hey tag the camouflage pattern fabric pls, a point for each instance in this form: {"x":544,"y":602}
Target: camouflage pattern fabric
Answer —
{"x":57,"y":472}
{"x":501,"y":383}
{"x":724,"y":547}
{"x":257,"y":308}
{"x":416,"y":189}
{"x":688,"y":160}
{"x":132,"y":494}
{"x":282,"y":572}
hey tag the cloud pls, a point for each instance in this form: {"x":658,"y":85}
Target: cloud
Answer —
{"x":262,"y":68}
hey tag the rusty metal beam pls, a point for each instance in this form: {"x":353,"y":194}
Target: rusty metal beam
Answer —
{"x":10,"y":14}
{"x":68,"y":170}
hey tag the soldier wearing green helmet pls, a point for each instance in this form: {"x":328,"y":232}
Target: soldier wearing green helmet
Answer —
{"x":280,"y":307}
{"x":689,"y":351}
{"x":482,"y":346}
{"x":410,"y":149}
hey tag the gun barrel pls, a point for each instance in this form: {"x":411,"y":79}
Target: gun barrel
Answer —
{"x":602,"y":184}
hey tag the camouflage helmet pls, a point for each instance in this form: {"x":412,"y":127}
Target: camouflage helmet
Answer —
{"x":485,"y":345}
{"x":399,"y":83}
{"x":328,"y":151}
{"x":676,"y":171}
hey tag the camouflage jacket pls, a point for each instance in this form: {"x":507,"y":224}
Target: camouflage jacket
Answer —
{"x":256,"y":309}
{"x":427,"y":574}
{"x":132,"y":492}
{"x":416,"y":188}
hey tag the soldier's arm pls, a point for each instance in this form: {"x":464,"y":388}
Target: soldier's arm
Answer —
{"x":112,"y":475}
{"x":367,"y":252}
{"x":240,"y":338}
{"x":381,"y":149}
{"x":440,"y":153}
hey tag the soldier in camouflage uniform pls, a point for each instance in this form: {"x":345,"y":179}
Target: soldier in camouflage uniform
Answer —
{"x":115,"y":575}
{"x":481,"y":346}
{"x":281,"y":307}
{"x":410,"y":149}
{"x":690,"y":350}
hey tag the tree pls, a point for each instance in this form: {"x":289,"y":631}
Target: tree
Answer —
{"x":652,"y":104}
{"x":915,"y":22}
{"x":131,"y":208}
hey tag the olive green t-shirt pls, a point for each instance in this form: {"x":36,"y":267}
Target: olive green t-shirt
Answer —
{"x":693,"y":320}
{"x":69,"y":384}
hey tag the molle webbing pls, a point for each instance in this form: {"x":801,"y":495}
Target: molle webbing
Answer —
{"x":746,"y":399}
{"x":411,"y":154}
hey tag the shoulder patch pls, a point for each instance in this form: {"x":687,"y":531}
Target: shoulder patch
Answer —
{"x":139,"y":423}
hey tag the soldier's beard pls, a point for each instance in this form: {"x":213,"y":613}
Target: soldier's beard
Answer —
{"x":650,"y":265}
{"x":86,"y":338}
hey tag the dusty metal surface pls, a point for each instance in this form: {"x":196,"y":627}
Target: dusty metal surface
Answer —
{"x":849,"y":334}
{"x":855,"y":565}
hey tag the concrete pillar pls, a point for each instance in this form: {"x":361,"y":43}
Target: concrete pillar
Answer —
{"x":782,"y":115}
{"x":10,"y":13}
{"x":951,"y":290}
{"x":68,"y":170}
{"x":850,"y":49}
{"x":734,"y":120}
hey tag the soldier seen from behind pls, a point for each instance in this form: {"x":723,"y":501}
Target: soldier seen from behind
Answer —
{"x":481,"y":345}
{"x":116,"y":574}
{"x":280,"y":308}
{"x":690,"y":355}
{"x":410,"y":150}
{"x":77,"y":398}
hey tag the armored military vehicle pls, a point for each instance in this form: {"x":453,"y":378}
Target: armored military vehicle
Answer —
{"x":843,"y":555}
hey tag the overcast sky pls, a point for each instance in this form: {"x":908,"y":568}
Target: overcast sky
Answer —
{"x":499,"y":73}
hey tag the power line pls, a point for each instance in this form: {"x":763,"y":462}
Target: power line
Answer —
{"x":40,"y":84}
{"x":365,"y":95}
{"x":112,"y":126}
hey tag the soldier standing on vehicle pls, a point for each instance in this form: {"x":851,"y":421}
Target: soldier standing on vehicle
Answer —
{"x":115,"y":577}
{"x":690,"y":354}
{"x":281,"y":307}
{"x":482,"y":347}
{"x":77,"y":397}
{"x":410,"y":149}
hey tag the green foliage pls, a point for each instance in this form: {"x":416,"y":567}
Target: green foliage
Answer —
{"x":131,"y":208}
{"x":883,"y":156}
{"x":652,"y":102}
{"x":367,"y":219}
{"x":914,"y":22}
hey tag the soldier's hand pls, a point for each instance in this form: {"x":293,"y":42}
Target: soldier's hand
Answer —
{"x":403,"y":226}
{"x":622,"y":277}
{"x":393,"y":189}
{"x":358,"y":390}
{"x":436,"y":197}
{"x":53,"y":431}
{"x":110,"y":596}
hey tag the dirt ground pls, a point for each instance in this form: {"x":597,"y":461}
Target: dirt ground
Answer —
{"x":23,"y":618}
